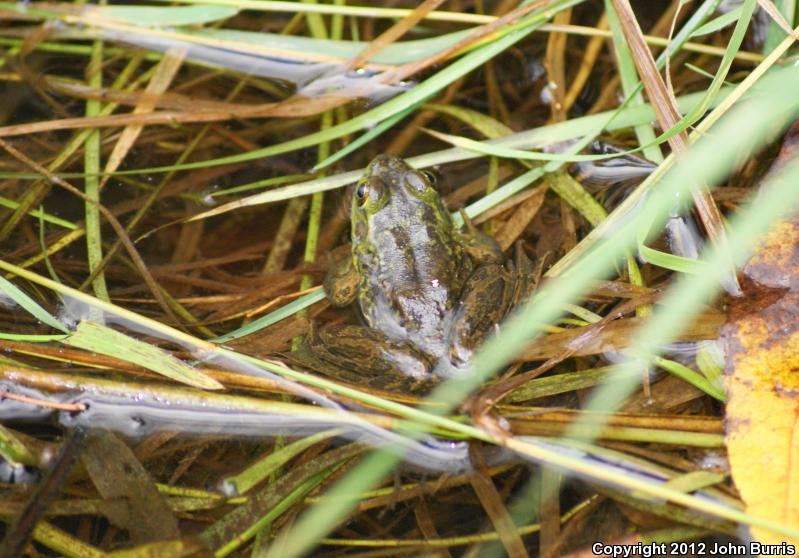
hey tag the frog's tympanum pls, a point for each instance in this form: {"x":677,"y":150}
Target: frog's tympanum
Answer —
{"x":428,"y":293}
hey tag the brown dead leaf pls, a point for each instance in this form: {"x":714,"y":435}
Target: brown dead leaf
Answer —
{"x":293,"y":107}
{"x":272,"y":340}
{"x":762,"y":341}
{"x":613,"y":337}
{"x":525,"y":213}
{"x":118,"y":475}
{"x":494,"y":506}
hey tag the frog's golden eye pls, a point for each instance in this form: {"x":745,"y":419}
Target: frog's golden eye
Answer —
{"x":368,"y":190}
{"x":362,"y":192}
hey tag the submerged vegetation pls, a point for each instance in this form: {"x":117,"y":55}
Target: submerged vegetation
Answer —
{"x":174,"y":187}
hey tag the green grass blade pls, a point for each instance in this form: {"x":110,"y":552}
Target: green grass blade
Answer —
{"x":365,"y":138}
{"x":544,"y":135}
{"x":724,"y":66}
{"x":692,"y":377}
{"x":274,"y":461}
{"x":276,"y":181}
{"x":33,"y":308}
{"x":14,"y":451}
{"x":483,"y":123}
{"x":31,"y":338}
{"x":273,"y":317}
{"x":669,"y":261}
{"x":319,"y":520}
{"x":98,"y":338}
{"x":718,"y":23}
{"x":39,"y":214}
{"x":630,"y":204}
{"x":91,"y":158}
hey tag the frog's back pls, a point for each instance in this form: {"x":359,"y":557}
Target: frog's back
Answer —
{"x":410,"y":259}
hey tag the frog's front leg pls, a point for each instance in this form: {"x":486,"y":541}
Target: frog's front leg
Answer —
{"x":365,"y":356}
{"x":341,"y":282}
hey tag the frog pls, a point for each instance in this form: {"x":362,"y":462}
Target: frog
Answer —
{"x":427,"y":292}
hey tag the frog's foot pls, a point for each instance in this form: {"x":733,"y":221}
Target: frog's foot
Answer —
{"x":364,"y":356}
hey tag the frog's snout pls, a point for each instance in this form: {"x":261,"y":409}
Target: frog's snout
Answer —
{"x":386,"y":165}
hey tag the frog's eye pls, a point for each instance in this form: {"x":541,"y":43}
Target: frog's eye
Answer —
{"x":362,"y":191}
{"x":430,"y":176}
{"x":368,"y":190}
{"x":417,"y":181}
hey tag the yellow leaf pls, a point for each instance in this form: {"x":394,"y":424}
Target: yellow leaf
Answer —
{"x":762,"y":380}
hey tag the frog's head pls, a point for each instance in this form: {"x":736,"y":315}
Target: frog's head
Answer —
{"x":392,"y":193}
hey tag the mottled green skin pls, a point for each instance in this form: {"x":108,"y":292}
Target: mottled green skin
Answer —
{"x":428,"y":293}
